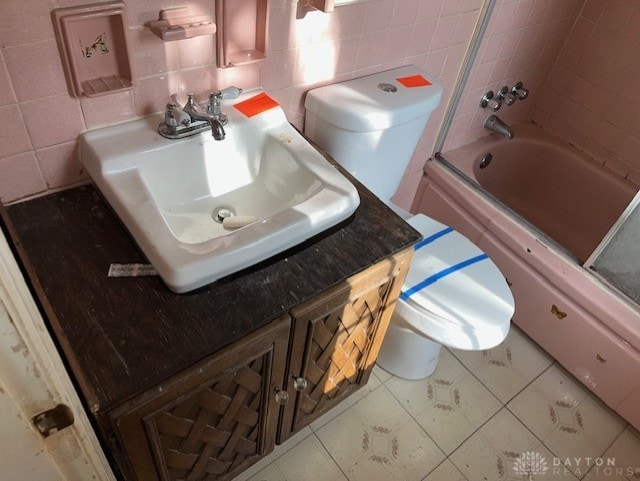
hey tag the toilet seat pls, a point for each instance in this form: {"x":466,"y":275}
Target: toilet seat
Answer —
{"x":453,"y":292}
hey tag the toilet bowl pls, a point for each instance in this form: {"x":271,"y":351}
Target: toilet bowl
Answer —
{"x":453,"y":295}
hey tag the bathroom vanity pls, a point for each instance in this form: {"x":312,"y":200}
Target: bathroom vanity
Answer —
{"x":202,"y":385}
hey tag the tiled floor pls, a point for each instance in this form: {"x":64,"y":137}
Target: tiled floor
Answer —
{"x":509,"y":413}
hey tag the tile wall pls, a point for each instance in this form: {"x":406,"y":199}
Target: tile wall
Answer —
{"x":579,"y":59}
{"x":42,"y":122}
{"x":590,"y":97}
{"x":522,"y":42}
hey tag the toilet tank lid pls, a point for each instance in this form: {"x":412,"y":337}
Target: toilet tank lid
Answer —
{"x":361,"y":105}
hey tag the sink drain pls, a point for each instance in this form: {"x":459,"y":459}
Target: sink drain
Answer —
{"x":222,"y":213}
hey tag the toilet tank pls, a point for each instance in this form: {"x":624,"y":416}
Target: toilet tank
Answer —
{"x":371,"y":125}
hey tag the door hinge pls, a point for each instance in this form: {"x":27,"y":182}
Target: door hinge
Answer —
{"x":53,"y":420}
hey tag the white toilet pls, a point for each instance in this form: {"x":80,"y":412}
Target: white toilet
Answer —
{"x":454,"y":295}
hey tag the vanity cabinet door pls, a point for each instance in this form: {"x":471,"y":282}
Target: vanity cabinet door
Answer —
{"x":336,"y":338}
{"x":213,"y":420}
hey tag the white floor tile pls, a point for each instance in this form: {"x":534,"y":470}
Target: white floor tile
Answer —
{"x":445,"y":472}
{"x":508,"y":368}
{"x":381,"y":374}
{"x":279,"y":450}
{"x":504,"y":449}
{"x":309,"y":461}
{"x":621,"y":462}
{"x":566,"y":417}
{"x":449,"y":405}
{"x":372,"y":385}
{"x":377,"y":440}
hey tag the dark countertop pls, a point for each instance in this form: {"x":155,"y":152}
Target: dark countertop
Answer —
{"x":121,"y":336}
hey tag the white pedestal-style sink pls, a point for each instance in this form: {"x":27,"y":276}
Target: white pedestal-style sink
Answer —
{"x":172,"y":194}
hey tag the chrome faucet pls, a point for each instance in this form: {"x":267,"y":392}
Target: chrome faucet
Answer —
{"x":192,"y":109}
{"x":494,"y":124}
{"x":192,"y":119}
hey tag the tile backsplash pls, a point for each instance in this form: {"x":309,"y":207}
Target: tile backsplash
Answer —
{"x":42,"y":122}
{"x":577,"y":58}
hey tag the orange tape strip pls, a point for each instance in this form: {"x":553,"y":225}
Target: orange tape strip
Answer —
{"x":256,"y":105}
{"x":414,"y":81}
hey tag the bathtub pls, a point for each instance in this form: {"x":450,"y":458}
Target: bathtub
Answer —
{"x":539,"y":207}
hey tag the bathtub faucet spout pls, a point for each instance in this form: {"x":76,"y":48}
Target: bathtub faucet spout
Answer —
{"x":494,"y":124}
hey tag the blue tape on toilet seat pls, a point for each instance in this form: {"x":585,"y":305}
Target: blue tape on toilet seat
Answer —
{"x":432,"y":238}
{"x":439,"y":275}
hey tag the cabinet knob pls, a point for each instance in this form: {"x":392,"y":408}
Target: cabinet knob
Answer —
{"x":282,"y":397}
{"x":300,"y":384}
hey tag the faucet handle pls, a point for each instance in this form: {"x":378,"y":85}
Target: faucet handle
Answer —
{"x":505,"y":96}
{"x":214,"y":107}
{"x":229,"y":93}
{"x":519,"y":91}
{"x":489,"y":101}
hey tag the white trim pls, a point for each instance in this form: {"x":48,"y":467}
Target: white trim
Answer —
{"x":75,"y":450}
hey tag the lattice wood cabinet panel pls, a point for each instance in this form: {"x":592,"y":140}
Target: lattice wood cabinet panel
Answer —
{"x":213,"y":421}
{"x":336,"y":339}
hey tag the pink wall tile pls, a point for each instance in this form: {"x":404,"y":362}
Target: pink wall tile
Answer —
{"x":430,"y":10}
{"x":152,"y":94}
{"x":593,"y":9}
{"x":420,"y":36}
{"x":196,"y":51}
{"x":199,"y":80}
{"x":602,"y":55}
{"x":108,"y":109}
{"x":616,"y":14}
{"x":14,"y":138}
{"x":281,"y":35}
{"x":278,"y":69}
{"x":442,"y":36}
{"x":523,"y":40}
{"x":6,"y":88}
{"x":60,"y":165}
{"x":378,"y":16}
{"x":20,"y":176}
{"x":396,"y":43}
{"x":69,"y":122}
{"x":369,"y":51}
{"x":464,"y":29}
{"x":523,"y":12}
{"x":28,"y":82}
{"x":302,"y":53}
{"x":502,"y":17}
{"x":404,"y":12}
{"x":151,"y":55}
{"x":25,"y":22}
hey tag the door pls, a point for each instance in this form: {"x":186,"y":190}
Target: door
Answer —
{"x":211,"y":421}
{"x":336,"y":340}
{"x":33,"y":380}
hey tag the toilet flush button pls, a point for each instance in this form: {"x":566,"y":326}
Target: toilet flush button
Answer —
{"x":387,"y":87}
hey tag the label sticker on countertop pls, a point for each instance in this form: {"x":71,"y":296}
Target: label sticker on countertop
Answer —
{"x":131,"y":270}
{"x":256,"y":105}
{"x":414,"y":81}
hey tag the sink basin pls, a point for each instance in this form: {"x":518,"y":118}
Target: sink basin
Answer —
{"x":173,"y":194}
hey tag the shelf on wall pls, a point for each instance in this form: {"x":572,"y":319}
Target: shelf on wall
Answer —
{"x":178,"y":24}
{"x":242,"y":31}
{"x":94,"y":48}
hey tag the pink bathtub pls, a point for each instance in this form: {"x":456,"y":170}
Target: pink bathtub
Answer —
{"x":539,"y":208}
